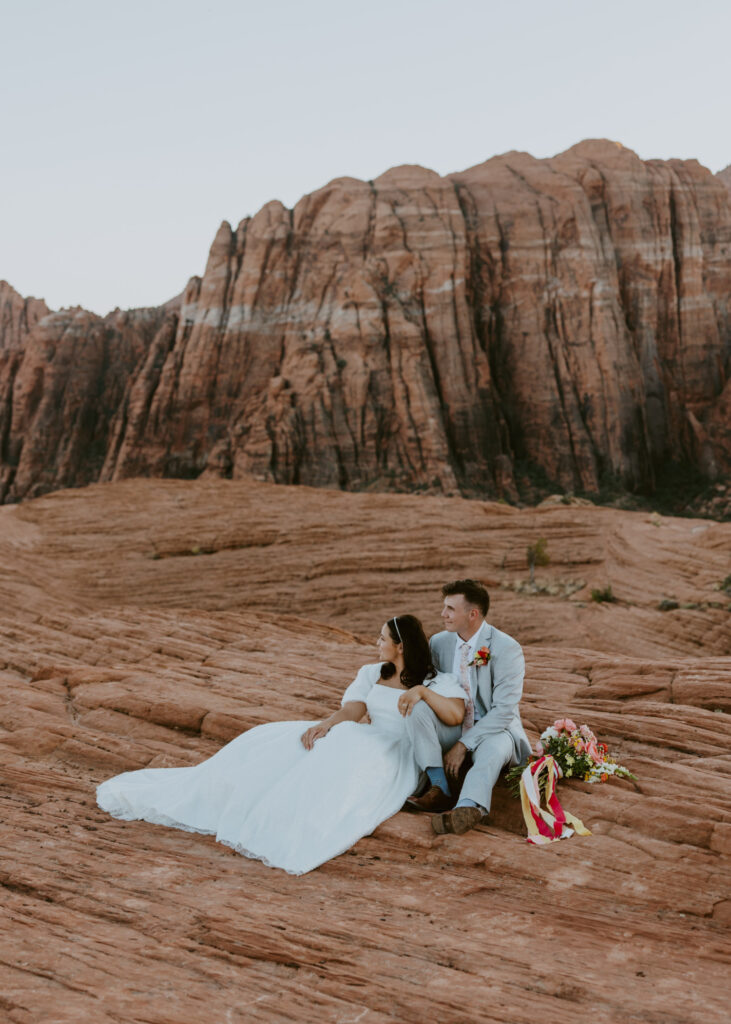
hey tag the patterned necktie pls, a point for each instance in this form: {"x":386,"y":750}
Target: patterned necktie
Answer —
{"x":464,"y":678}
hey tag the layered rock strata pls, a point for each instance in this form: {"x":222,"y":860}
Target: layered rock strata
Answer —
{"x":568,"y":317}
{"x":146,"y":623}
{"x":63,"y":390}
{"x":18,"y":316}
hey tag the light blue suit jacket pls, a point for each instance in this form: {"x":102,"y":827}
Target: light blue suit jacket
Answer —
{"x":499,"y":686}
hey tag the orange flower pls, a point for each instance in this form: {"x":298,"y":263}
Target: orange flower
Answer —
{"x":481,"y":657}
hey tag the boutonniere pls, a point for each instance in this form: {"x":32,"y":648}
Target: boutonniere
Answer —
{"x":481,"y":657}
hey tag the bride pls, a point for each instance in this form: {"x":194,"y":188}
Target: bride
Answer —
{"x":294,"y":794}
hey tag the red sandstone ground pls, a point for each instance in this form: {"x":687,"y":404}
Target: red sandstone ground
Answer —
{"x":148,"y":622}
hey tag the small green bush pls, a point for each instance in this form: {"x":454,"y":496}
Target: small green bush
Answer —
{"x":603,"y":595}
{"x":538,"y":552}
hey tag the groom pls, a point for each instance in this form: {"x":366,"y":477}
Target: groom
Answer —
{"x":490,"y":666}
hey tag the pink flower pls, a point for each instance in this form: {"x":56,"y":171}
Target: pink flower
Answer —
{"x":539,"y":748}
{"x":593,"y":752}
{"x":587,"y":734}
{"x":564,"y":723}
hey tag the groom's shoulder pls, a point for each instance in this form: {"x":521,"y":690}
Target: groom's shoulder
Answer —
{"x":503,"y":640}
{"x":437,"y":638}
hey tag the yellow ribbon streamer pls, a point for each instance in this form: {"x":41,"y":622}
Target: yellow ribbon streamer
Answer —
{"x":530,"y":798}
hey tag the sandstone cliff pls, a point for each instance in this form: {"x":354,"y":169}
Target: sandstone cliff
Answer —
{"x":18,"y":317}
{"x":569,"y":316}
{"x":62,"y":390}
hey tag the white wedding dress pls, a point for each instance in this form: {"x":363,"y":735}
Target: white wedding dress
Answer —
{"x":269,"y":798}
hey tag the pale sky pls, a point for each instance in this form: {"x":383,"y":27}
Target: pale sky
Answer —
{"x":131,"y":129}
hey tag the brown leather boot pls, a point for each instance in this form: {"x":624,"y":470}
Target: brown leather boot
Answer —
{"x":458,"y":821}
{"x":434,"y":800}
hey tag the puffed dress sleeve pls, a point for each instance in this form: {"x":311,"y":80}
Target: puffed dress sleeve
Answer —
{"x":359,"y":689}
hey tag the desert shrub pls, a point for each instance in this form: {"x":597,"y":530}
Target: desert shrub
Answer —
{"x":538,"y":552}
{"x":603,"y":595}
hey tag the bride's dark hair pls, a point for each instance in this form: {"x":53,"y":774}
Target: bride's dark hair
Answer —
{"x":418,"y":666}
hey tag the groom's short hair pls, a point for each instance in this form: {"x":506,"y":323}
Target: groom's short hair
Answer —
{"x":473,"y":592}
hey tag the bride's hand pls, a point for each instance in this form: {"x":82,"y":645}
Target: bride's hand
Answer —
{"x":408,"y":699}
{"x":315,"y":732}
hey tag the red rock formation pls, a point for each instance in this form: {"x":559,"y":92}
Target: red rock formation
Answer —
{"x":18,"y":316}
{"x":59,"y":394}
{"x":568,"y":315}
{"x":122,"y":648}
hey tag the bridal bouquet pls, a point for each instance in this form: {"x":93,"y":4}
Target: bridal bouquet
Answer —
{"x":576,"y":751}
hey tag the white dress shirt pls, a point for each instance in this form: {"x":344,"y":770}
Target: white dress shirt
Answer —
{"x":473,"y":645}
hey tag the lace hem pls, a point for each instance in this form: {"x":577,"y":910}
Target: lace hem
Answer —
{"x":115,"y":809}
{"x":149,"y":814}
{"x":154,"y":817}
{"x":238,"y":848}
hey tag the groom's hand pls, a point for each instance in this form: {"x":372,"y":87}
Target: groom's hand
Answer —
{"x":315,"y":732}
{"x":454,"y":759}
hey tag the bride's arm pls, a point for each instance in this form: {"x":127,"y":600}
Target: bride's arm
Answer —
{"x":351,"y":711}
{"x":449,"y":709}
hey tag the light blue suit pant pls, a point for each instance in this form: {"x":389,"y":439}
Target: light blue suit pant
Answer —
{"x":432,"y":738}
{"x":488,"y":760}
